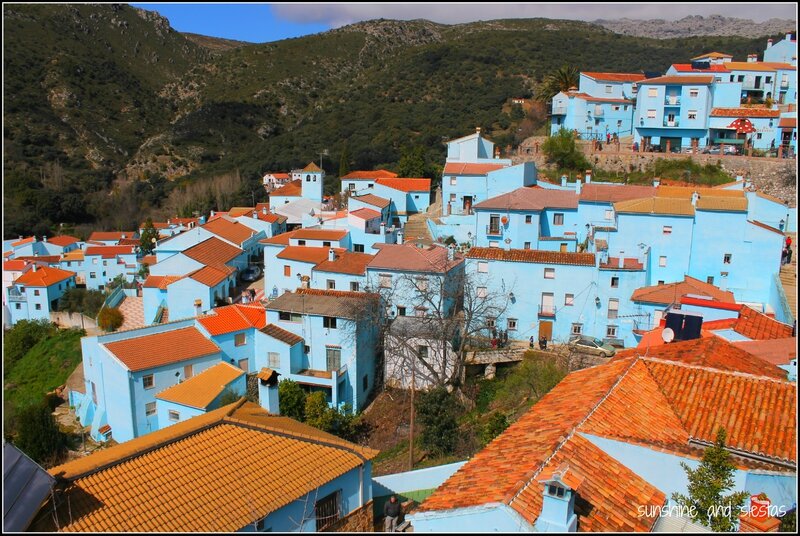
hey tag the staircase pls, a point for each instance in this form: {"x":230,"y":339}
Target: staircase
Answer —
{"x":416,"y":228}
{"x":788,"y":278}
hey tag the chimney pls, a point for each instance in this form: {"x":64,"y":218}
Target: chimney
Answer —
{"x":656,"y":182}
{"x":788,"y":37}
{"x":588,"y":176}
{"x":268,"y":390}
{"x":497,"y":152}
{"x":563,"y":181}
{"x":255,"y":214}
{"x":213,"y":214}
{"x":578,"y":187}
{"x":695,"y":197}
{"x":44,"y":238}
{"x":35,"y":266}
{"x":383,"y":228}
{"x":621,"y":259}
{"x":264,"y":210}
{"x":399,"y":236}
{"x":331,"y":254}
{"x":478,"y":131}
{"x":451,"y":252}
{"x":558,"y":503}
{"x":769,"y":43}
{"x":752,"y":58}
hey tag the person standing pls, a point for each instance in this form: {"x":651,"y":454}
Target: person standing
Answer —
{"x":788,"y":242}
{"x":391,"y":512}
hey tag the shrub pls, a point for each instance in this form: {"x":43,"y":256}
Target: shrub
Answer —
{"x":561,"y":150}
{"x":497,"y":423}
{"x":38,"y":435}
{"x":22,"y":337}
{"x":292,"y":400}
{"x":228,"y":396}
{"x":110,"y":319}
{"x":437,"y":412}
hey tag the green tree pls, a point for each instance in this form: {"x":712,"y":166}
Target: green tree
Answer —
{"x":22,"y":337}
{"x":708,"y":483}
{"x":494,"y":427}
{"x":292,"y":400}
{"x":228,"y":396}
{"x":147,"y":240}
{"x":559,"y":80}
{"x":92,"y":302}
{"x":110,"y":318}
{"x":318,"y":413}
{"x":437,"y":412}
{"x":561,"y":150}
{"x":412,"y":163}
{"x":344,"y":162}
{"x":38,"y":435}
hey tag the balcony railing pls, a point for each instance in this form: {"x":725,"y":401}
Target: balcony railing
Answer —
{"x":16,"y":296}
{"x":560,"y":110}
{"x":493,"y":231}
{"x":598,"y":111}
{"x":672,"y":101}
{"x":547,"y":310}
{"x":673,"y":123}
{"x":784,"y":84}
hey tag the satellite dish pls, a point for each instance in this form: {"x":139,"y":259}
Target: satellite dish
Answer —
{"x":668,"y":335}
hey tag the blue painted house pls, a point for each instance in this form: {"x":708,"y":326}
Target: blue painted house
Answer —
{"x":35,"y":293}
{"x":102,"y":264}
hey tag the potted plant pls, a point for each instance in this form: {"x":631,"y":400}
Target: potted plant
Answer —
{"x":759,"y":506}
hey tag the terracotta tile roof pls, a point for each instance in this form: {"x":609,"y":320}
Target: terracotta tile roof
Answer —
{"x":101,"y":236}
{"x":770,"y":198}
{"x":531,"y":199}
{"x":23,"y":241}
{"x":211,"y":276}
{"x":687,"y":67}
{"x":312,"y":167}
{"x":615,"y":77}
{"x":628,"y":263}
{"x":149,"y":259}
{"x":346,"y":262}
{"x":74,"y":255}
{"x":129,"y":242}
{"x":709,"y":303}
{"x":281,"y":334}
{"x":374,"y":200}
{"x":218,"y":472}
{"x":279,"y":239}
{"x":43,"y":276}
{"x":290,"y":189}
{"x":461,"y":168}
{"x":724,"y":323}
{"x":366,"y":214}
{"x":712,"y":55}
{"x":532,"y":255}
{"x":612,"y":194}
{"x":760,"y":66}
{"x":787,"y":122}
{"x":758,"y":326}
{"x":711,"y":352}
{"x":410,"y":258}
{"x":233,"y":318}
{"x":726,"y":204}
{"x":656,"y":205}
{"x":775,"y":351}
{"x":672,"y":292}
{"x":744,"y":112}
{"x":701,"y":80}
{"x":370,"y":175}
{"x":240,"y":211}
{"x":184,"y":221}
{"x":151,"y":351}
{"x":202,"y":389}
{"x":765,"y":226}
{"x":160,"y":281}
{"x":266,"y":374}
{"x":320,"y":234}
{"x":40,"y":259}
{"x":590,"y":98}
{"x":339,"y":214}
{"x":63,"y":240}
{"x":213,"y":252}
{"x":339,"y":304}
{"x":406,"y":185}
{"x":108,"y":252}
{"x":686,"y":192}
{"x":15,"y":265}
{"x":308,"y":254}
{"x":232,"y":231}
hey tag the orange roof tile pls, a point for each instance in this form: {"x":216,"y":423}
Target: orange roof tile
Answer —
{"x":615,"y":77}
{"x":726,"y":204}
{"x":686,"y":192}
{"x":63,"y":240}
{"x":217,"y":472}
{"x":672,"y":292}
{"x":213,"y":252}
{"x":314,"y":255}
{"x":460,"y":168}
{"x":712,"y":55}
{"x":687,"y":67}
{"x":758,"y":326}
{"x":281,"y":334}
{"x":160,"y":281}
{"x":590,"y":98}
{"x":532,"y":255}
{"x":775,"y":351}
{"x":406,"y":185}
{"x":335,"y":303}
{"x":744,"y":112}
{"x":202,"y":389}
{"x":760,"y":66}
{"x":409,"y":257}
{"x":787,"y":122}
{"x":211,"y":276}
{"x":656,"y":205}
{"x":366,"y":213}
{"x":108,"y":252}
{"x":372,"y":199}
{"x":531,"y":199}
{"x":151,"y":351}
{"x":41,"y":259}
{"x":103,"y":236}
{"x":613,"y":193}
{"x":369,"y":175}
{"x":628,"y":263}
{"x":149,"y":259}
{"x":43,"y":276}
{"x":15,"y":265}
{"x":233,"y":318}
{"x":700,"y":80}
{"x":312,"y":167}
{"x":346,"y":262}
{"x":279,"y":239}
{"x":241,"y":211}
{"x":320,"y":234}
{"x":74,"y":255}
{"x":232,"y":231}
{"x":23,"y":241}
{"x":290,"y":189}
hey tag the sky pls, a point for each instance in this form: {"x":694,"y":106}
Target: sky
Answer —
{"x":259,"y":23}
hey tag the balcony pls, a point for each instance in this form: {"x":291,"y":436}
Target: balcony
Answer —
{"x":784,"y":84}
{"x":492,"y":230}
{"x":547,"y":310}
{"x":16,"y":296}
{"x":673,"y":123}
{"x":672,"y":101}
{"x":598,"y":111}
{"x":560,"y":110}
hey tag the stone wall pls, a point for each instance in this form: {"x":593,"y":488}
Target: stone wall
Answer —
{"x":360,"y":520}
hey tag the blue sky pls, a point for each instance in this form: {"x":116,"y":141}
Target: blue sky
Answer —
{"x":260,"y":23}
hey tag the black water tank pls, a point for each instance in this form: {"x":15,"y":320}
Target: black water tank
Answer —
{"x":691,"y":327}
{"x":675,"y":323}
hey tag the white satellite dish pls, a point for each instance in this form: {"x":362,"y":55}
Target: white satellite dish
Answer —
{"x":668,"y":335}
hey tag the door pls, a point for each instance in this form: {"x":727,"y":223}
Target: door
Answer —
{"x":243,"y":364}
{"x":187,"y":372}
{"x":563,"y":248}
{"x":467,"y":205}
{"x":548,"y":303}
{"x":546,"y":330}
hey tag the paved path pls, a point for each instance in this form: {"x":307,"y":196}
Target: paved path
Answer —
{"x":416,"y":228}
{"x":133,"y":310}
{"x":789,"y":277}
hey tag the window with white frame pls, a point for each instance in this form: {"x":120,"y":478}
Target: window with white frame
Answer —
{"x":490,"y":322}
{"x":148,"y":382}
{"x":691,"y":114}
{"x":609,"y":215}
{"x":694,"y":92}
{"x":149,"y":409}
{"x":354,"y":286}
{"x":331,"y":284}
{"x":613,"y":308}
{"x":483,"y":267}
{"x":558,"y":218}
{"x":452,"y":181}
{"x":481,"y":292}
{"x":652,"y":92}
{"x":569,"y":299}
{"x":512,"y":324}
{"x":662,"y":261}
{"x":667,"y":229}
{"x":577,"y":329}
{"x":611,"y":331}
{"x":274,"y":360}
{"x":174,"y":416}
{"x":549,"y":273}
{"x":651,"y":114}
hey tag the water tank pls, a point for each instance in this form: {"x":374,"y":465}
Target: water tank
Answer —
{"x":691,"y":327}
{"x":675,"y":323}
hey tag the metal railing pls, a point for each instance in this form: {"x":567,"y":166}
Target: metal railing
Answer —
{"x":493,"y":231}
{"x":674,"y":123}
{"x":547,"y":310}
{"x":560,"y":110}
{"x":16,"y":296}
{"x":672,"y":101}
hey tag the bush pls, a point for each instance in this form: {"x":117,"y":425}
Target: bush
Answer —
{"x":437,"y":412}
{"x":110,"y":319}
{"x":292,"y":400}
{"x":81,"y":300}
{"x":38,"y":435}
{"x":562,"y":151}
{"x":22,"y":337}
{"x":228,"y":396}
{"x":497,"y":423}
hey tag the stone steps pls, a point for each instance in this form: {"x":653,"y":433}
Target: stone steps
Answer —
{"x":788,"y":277}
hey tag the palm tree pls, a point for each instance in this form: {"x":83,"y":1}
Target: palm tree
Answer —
{"x":561,"y":79}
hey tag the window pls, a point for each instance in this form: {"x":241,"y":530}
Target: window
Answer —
{"x":354,"y":286}
{"x":528,"y":219}
{"x":401,"y":311}
{"x":420,"y":311}
{"x":611,"y":331}
{"x":619,"y":123}
{"x":768,"y":80}
{"x":333,"y":358}
{"x":596,"y":121}
{"x":740,"y":78}
{"x":662,"y":261}
{"x":105,"y":263}
{"x":616,"y":109}
{"x":352,"y":186}
{"x":308,"y":178}
{"x":609,"y":215}
{"x":92,"y":275}
{"x":512,"y":324}
{"x":174,"y":416}
{"x":94,"y":260}
{"x":651,"y":114}
{"x":274,"y":360}
{"x":555,"y":491}
{"x":422,"y":352}
{"x":558,"y":218}
{"x":667,"y":229}
{"x":613,"y":308}
{"x":290,"y":317}
{"x":326,"y":244}
{"x":710,"y":280}
{"x":652,"y":92}
{"x":329,"y":322}
{"x":365,"y":382}
{"x":577,"y":329}
{"x":549,"y":273}
{"x":287,"y":270}
{"x":416,"y":197}
{"x":453,"y":182}
{"x":188,"y":371}
{"x":691,"y":114}
{"x":452,"y":198}
{"x":490,"y":323}
{"x":148,"y":382}
{"x":481,"y":292}
{"x":19,"y":306}
{"x":149,"y":409}
{"x":758,"y":135}
{"x":38,"y":306}
{"x":494,"y":224}
{"x":483,"y":267}
{"x":726,"y":259}
{"x":694,"y":92}
{"x":240,"y":339}
{"x":244,"y":364}
{"x":301,"y":242}
{"x":358,"y":248}
{"x":569,"y":299}
{"x":614,"y":282}
{"x":385,"y":281}
{"x":331,"y":284}
{"x":660,"y":281}
{"x":36,"y":292}
{"x":527,"y":245}
{"x":326,"y":511}
{"x":608,"y":89}
{"x":422,"y":283}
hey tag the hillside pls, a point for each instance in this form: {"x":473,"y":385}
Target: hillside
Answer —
{"x":108,"y":109}
{"x":695,"y":25}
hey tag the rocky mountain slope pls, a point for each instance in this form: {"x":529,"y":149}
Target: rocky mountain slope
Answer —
{"x":695,"y":25}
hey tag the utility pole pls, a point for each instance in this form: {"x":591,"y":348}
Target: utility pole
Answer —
{"x":411,"y":425}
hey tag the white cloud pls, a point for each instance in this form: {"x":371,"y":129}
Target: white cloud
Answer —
{"x":337,"y":15}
